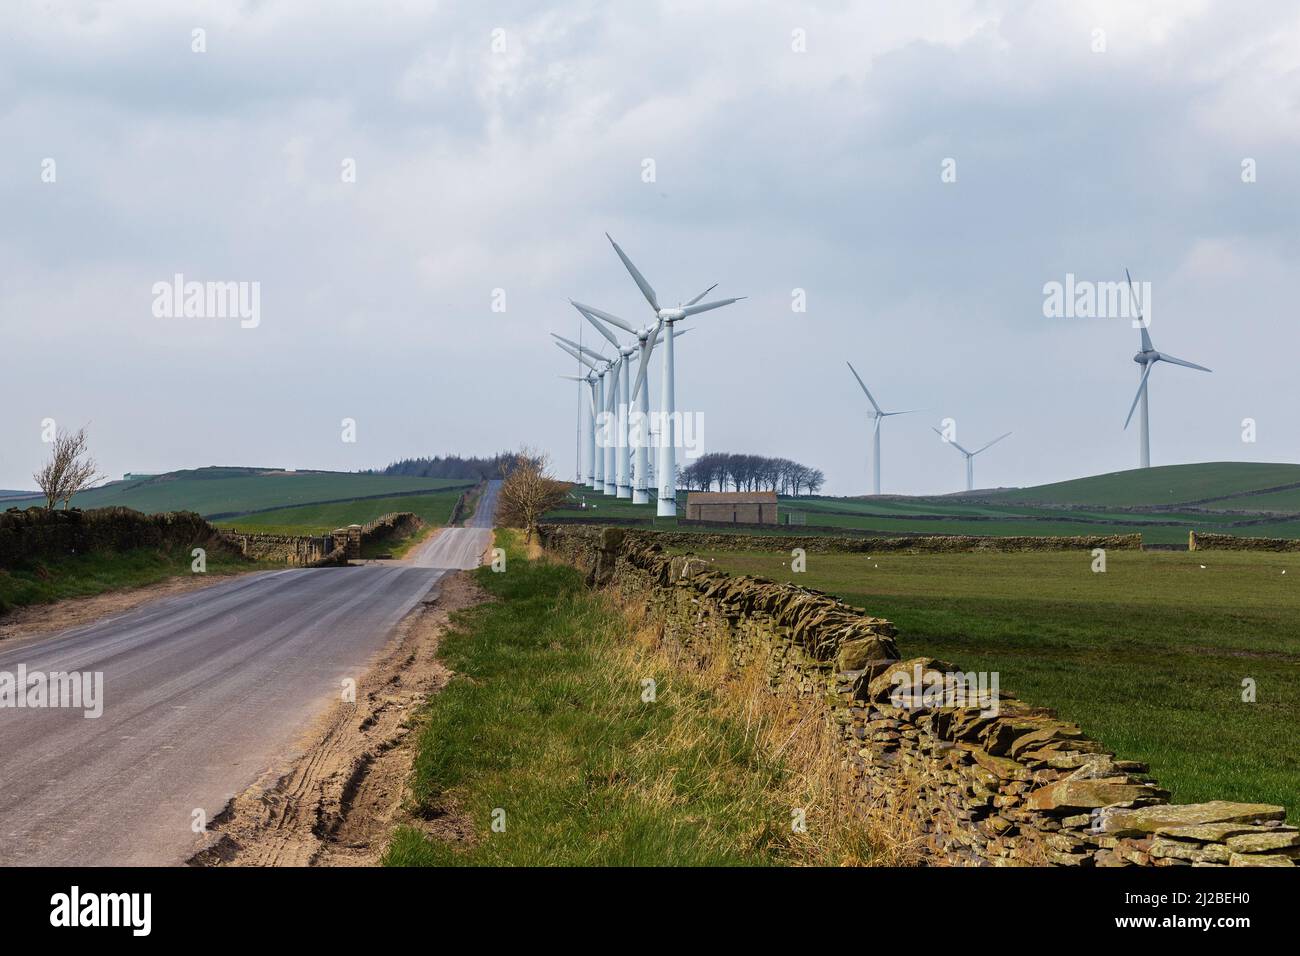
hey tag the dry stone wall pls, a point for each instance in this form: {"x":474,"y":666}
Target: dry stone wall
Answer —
{"x":298,"y":550}
{"x":912,"y":544}
{"x":1200,"y":541}
{"x":37,"y":533}
{"x":979,"y":785}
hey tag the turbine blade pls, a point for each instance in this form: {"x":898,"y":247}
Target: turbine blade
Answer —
{"x":865,"y":390}
{"x":697,"y":309}
{"x":589,"y":311}
{"x":600,"y":327}
{"x":645,"y":360}
{"x":990,"y":444}
{"x":703,"y":294}
{"x":646,"y":289}
{"x":578,"y":355}
{"x":1132,"y":297}
{"x":613,"y":386}
{"x":1166,"y":357}
{"x":580,"y":348}
{"x":1146,"y":373}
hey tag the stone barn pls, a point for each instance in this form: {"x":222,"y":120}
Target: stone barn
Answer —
{"x":732,"y":507}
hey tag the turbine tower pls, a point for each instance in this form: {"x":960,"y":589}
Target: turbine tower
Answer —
{"x":877,"y":415}
{"x":970,"y":455}
{"x":647,"y":339}
{"x":667,"y":468}
{"x":586,"y":356}
{"x":1147,"y":359}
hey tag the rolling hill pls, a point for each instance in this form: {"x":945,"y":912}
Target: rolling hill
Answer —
{"x":220,"y":492}
{"x":1196,"y":485}
{"x":1163,"y":504}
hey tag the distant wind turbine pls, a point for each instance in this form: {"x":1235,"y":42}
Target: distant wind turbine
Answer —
{"x":1147,"y":358}
{"x":970,"y":455}
{"x":877,"y":415}
{"x":599,"y":369}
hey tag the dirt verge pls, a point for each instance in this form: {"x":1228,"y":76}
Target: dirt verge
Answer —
{"x":337,"y":803}
{"x":36,"y":619}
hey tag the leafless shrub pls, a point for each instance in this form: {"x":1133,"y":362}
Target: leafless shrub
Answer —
{"x":528,"y":492}
{"x":69,"y":471}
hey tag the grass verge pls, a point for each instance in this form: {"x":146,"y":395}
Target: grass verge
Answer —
{"x":49,"y":580}
{"x":544,"y":729}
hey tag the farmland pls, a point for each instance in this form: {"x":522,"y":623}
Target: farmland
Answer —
{"x":435,"y":509}
{"x":1148,"y":657}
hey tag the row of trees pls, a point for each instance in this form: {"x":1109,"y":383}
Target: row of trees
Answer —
{"x":750,"y":473}
{"x":450,"y":466}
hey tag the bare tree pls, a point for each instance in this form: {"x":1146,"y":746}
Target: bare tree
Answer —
{"x":528,"y":492}
{"x":69,"y":471}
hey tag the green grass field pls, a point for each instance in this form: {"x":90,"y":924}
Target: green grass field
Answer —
{"x":226,"y":491}
{"x":1119,"y":503}
{"x":1148,"y":657}
{"x":434,"y":508}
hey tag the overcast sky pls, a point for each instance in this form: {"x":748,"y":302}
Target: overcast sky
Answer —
{"x":794,"y":147}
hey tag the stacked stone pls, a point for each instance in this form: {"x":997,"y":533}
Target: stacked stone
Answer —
{"x":1007,"y":786}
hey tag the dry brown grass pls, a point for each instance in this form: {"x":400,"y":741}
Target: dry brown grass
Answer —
{"x":792,"y":733}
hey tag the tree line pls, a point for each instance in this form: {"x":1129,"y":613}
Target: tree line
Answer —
{"x":450,"y":466}
{"x":750,"y":473}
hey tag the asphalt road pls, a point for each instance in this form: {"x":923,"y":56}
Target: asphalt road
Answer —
{"x":202,"y":694}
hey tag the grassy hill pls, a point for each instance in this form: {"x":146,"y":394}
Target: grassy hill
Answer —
{"x":1163,"y":504}
{"x":1166,"y":485}
{"x":221,"y":492}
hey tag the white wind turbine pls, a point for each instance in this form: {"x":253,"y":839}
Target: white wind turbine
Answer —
{"x":588,"y":424}
{"x":970,"y":455}
{"x":1147,"y":358}
{"x":666,"y":471}
{"x":877,"y":415}
{"x":636,"y":440}
{"x":622,"y":464}
{"x":600,"y":369}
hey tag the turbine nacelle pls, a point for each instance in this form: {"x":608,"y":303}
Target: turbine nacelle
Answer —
{"x":671,"y":315}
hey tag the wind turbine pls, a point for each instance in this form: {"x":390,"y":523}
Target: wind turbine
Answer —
{"x":877,"y":415}
{"x":970,"y":455}
{"x":647,"y":339}
{"x":667,"y":469}
{"x":589,"y":423}
{"x":586,"y":356}
{"x":1148,"y":358}
{"x":622,"y":464}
